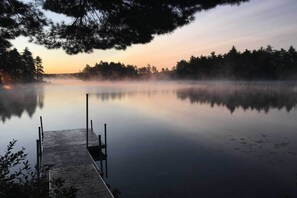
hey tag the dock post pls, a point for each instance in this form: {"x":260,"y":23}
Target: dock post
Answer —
{"x":92,"y":125}
{"x":41,"y":124}
{"x":100,"y":143}
{"x":39,"y":133}
{"x":37,"y":157}
{"x":87,"y":120}
{"x":105,"y":138}
{"x":40,"y":149}
{"x":105,"y":141}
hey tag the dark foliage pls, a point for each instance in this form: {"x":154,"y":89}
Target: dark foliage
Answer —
{"x":25,"y":182}
{"x":16,"y":67}
{"x":109,"y":71}
{"x":19,"y":18}
{"x":98,"y":24}
{"x":258,"y":64}
{"x":118,"y":71}
{"x":38,"y":69}
{"x":261,"y":64}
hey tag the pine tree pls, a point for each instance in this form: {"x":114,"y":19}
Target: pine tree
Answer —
{"x":13,"y":66}
{"x":28,"y":66}
{"x":38,"y":69}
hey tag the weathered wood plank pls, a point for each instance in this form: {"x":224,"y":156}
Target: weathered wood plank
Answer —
{"x":82,"y":178}
{"x":67,"y":151}
{"x":69,"y":137}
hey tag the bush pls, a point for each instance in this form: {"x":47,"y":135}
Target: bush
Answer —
{"x":24,"y":181}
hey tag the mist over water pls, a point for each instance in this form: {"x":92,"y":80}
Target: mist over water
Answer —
{"x":172,"y":138}
{"x":18,"y":99}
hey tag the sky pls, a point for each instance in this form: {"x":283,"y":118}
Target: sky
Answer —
{"x":248,"y":26}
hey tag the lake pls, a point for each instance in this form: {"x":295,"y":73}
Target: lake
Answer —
{"x":171,"y":139}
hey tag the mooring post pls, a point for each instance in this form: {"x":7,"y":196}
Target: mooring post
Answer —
{"x":40,"y":149}
{"x":92,"y":125}
{"x":87,"y":120}
{"x":39,"y":133}
{"x":41,"y":124}
{"x":105,"y":137}
{"x":37,"y":158}
{"x":105,"y":140}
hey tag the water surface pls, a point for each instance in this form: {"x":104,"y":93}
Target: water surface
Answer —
{"x":172,"y":139}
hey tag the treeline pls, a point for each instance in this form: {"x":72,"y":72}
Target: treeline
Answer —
{"x":19,"y":67}
{"x":262,"y":64}
{"x":119,"y":71}
{"x":267,"y":64}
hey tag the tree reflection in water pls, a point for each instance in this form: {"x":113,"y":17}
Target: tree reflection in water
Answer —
{"x":260,"y":96}
{"x":255,"y":96}
{"x":17,"y":99}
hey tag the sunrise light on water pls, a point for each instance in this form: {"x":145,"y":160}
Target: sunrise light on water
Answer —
{"x":144,"y":99}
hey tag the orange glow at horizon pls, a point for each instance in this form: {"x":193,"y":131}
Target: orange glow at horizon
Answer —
{"x":265,"y":23}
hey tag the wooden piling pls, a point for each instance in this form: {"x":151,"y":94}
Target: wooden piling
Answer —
{"x":105,"y":137}
{"x":92,"y":125}
{"x":41,"y":125}
{"x":38,"y":157}
{"x":39,"y":133}
{"x":87,"y":120}
{"x":40,"y":140}
{"x":105,"y":141}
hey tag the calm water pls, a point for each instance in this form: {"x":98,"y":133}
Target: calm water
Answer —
{"x":182,"y":139}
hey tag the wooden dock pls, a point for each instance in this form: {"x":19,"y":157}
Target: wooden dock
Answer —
{"x":72,"y":161}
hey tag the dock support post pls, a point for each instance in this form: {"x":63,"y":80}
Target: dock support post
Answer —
{"x":39,"y":133}
{"x":105,"y":141}
{"x":87,"y":120}
{"x":37,"y":157}
{"x":105,"y":138}
{"x":41,"y":125}
{"x":40,"y":149}
{"x":92,"y":126}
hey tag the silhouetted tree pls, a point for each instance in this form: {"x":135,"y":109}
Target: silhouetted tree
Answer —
{"x":258,"y":64}
{"x":38,"y":69}
{"x":16,"y":67}
{"x":13,"y":66}
{"x":109,"y":71}
{"x":28,"y":66}
{"x":98,"y":24}
{"x":19,"y":18}
{"x":262,"y":64}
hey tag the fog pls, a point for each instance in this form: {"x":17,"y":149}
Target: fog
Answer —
{"x":236,"y":137}
{"x":18,"y":99}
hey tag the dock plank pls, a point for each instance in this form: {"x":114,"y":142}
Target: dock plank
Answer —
{"x":67,"y":151}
